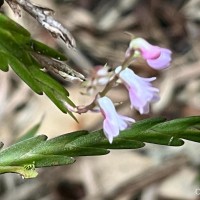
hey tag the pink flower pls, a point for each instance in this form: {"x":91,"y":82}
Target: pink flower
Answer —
{"x":158,"y":58}
{"x":141,"y":91}
{"x":113,"y":122}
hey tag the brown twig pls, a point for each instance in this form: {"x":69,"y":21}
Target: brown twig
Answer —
{"x":45,"y":17}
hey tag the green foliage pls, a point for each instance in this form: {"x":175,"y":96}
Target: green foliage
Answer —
{"x":16,"y":49}
{"x":36,"y":152}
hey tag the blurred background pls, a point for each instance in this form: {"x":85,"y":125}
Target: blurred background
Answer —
{"x":102,"y":30}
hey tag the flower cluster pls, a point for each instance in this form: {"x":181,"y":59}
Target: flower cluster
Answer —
{"x":141,"y":94}
{"x":141,"y":91}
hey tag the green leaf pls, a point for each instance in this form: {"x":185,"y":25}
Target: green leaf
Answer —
{"x":97,"y":139}
{"x":10,"y":25}
{"x":51,"y":88}
{"x":38,"y":160}
{"x":57,"y":145}
{"x":137,"y":132}
{"x":19,"y":151}
{"x":39,"y":152}
{"x":24,"y":74}
{"x":45,"y":79}
{"x":185,"y":128}
{"x":4,"y":61}
{"x":52,"y":160}
{"x":11,"y":45}
{"x":35,"y":46}
{"x":16,"y":51}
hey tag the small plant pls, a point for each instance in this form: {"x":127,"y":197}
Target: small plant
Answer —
{"x":28,"y":57}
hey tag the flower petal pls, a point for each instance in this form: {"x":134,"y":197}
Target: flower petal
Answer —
{"x":162,"y":62}
{"x":110,"y":129}
{"x":127,"y":121}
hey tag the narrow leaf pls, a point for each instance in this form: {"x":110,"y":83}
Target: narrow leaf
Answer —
{"x":19,"y":150}
{"x":38,"y":47}
{"x":143,"y":131}
{"x":10,"y":25}
{"x":4,"y":61}
{"x":185,"y":128}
